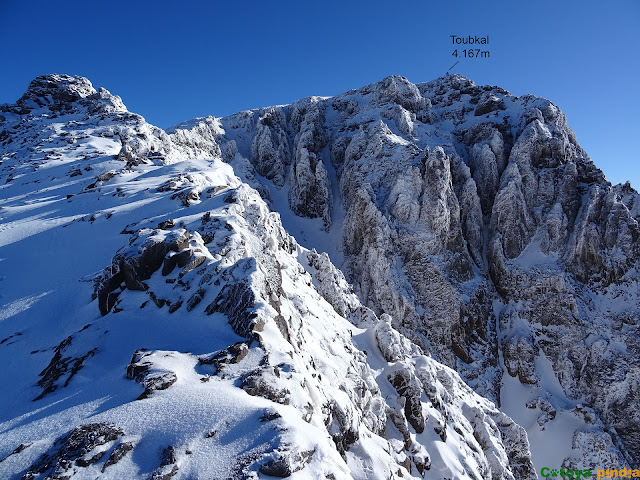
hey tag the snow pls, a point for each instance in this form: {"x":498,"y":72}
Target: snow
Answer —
{"x":84,"y":191}
{"x":48,"y":243}
{"x":63,"y":248}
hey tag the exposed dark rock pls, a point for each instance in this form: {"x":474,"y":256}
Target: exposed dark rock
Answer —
{"x":187,"y":196}
{"x":410,"y":389}
{"x":286,"y":463}
{"x":168,"y":456}
{"x":20,"y":448}
{"x":195,"y":299}
{"x":141,"y":369}
{"x":175,"y":306}
{"x":56,"y":92}
{"x":269,"y":416}
{"x":231,"y":355}
{"x":134,"y":264}
{"x":71,"y":450}
{"x":166,"y":224}
{"x":180,"y":259}
{"x":118,"y":454}
{"x":260,"y":383}
{"x":237,"y":301}
{"x":59,"y":366}
{"x":489,"y":104}
{"x":168,"y":468}
{"x":106,"y":176}
{"x":344,"y":440}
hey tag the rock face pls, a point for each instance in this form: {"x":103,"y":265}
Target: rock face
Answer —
{"x":477,"y":222}
{"x":80,"y":448}
{"x":63,"y":364}
{"x":143,"y":370}
{"x":210,"y":328}
{"x":310,"y":191}
{"x":484,"y":261}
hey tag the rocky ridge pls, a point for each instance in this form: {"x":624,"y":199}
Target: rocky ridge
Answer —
{"x":475,"y":219}
{"x":212,"y":341}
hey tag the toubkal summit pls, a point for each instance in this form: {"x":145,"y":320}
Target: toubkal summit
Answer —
{"x":166,"y":312}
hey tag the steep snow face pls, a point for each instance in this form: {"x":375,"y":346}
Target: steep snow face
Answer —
{"x":159,"y":322}
{"x":475,"y":220}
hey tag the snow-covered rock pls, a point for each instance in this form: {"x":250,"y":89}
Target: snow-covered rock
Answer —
{"x":160,"y":322}
{"x":476,"y":221}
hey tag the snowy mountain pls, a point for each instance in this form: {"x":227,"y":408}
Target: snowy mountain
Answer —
{"x":159,"y":320}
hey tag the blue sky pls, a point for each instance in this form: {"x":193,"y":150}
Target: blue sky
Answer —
{"x":172,"y":61}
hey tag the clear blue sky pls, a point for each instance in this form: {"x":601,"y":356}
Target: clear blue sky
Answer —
{"x":172,"y":61}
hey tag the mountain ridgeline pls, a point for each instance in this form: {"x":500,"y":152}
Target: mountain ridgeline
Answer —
{"x":478,"y":223}
{"x":486,"y":279}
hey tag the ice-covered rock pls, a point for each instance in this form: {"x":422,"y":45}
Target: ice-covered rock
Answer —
{"x":474,"y":232}
{"x":475,"y":219}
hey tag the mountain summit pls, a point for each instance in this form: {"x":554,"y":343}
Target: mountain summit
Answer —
{"x":166,"y":313}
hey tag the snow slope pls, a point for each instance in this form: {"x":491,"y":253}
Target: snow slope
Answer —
{"x":158,"y":321}
{"x":475,"y":219}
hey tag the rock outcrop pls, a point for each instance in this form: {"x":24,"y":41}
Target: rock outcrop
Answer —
{"x":485,"y":263}
{"x":475,"y":219}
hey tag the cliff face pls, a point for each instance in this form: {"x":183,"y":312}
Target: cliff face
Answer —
{"x":479,"y":224}
{"x":158,"y":320}
{"x":165,"y":322}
